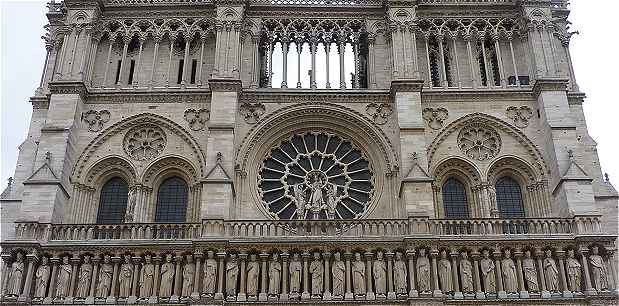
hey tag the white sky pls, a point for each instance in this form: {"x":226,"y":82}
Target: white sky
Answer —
{"x":594,"y":53}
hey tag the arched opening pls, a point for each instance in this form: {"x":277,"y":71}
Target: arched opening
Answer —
{"x":509,"y":198}
{"x":113,"y":201}
{"x":455,"y":203}
{"x":172,"y":201}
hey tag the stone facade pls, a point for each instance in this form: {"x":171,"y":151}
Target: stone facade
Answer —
{"x":319,"y":187}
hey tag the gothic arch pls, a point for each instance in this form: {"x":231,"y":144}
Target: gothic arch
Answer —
{"x":465,"y":172}
{"x":109,"y":167}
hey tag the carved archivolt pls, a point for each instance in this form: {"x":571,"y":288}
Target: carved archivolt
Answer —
{"x":479,"y":141}
{"x":144,"y":142}
{"x":167,"y":166}
{"x":108,"y":168}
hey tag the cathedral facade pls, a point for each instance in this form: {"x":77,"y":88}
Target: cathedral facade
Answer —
{"x":309,"y":151}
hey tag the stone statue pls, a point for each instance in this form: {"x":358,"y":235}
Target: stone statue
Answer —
{"x":129,"y":211}
{"x":105,"y":277}
{"x":573,"y":272}
{"x":147,"y":277}
{"x":63,"y":278}
{"x":510,"y":282}
{"x":189,"y":272}
{"x":295,"y":274}
{"x":399,"y":274}
{"x":487,"y":272}
{"x":253,"y":270}
{"x":17,"y":275}
{"x":299,"y":195}
{"x":210,"y":273}
{"x":551,"y":273}
{"x":338,"y":270}
{"x":42,"y":278}
{"x":358,"y":275}
{"x":125,"y":277}
{"x":167,"y":277}
{"x":232,"y":273}
{"x":275,"y":275}
{"x":444,"y":273}
{"x":379,"y":272}
{"x":331,"y":200}
{"x":83,"y":284}
{"x":530,"y":272}
{"x":316,"y":270}
{"x":423,"y":271}
{"x":466,"y":273}
{"x":598,"y":270}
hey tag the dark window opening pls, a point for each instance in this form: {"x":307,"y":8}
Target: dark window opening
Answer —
{"x":524,"y":80}
{"x":117,"y":72}
{"x":179,"y":77}
{"x":113,"y":201}
{"x":455,"y":202}
{"x":509,"y":198}
{"x":194,"y":66}
{"x":447,"y":59}
{"x":171,"y":201}
{"x":131,"y":70}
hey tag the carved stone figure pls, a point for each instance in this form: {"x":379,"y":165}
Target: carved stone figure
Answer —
{"x":316,"y":197}
{"x":466,"y":273}
{"x":530,"y":272}
{"x":358,"y":275}
{"x":573,"y":272}
{"x":316,"y":270}
{"x":399,"y":274}
{"x":598,"y":270}
{"x":42,"y":278}
{"x":17,"y":274}
{"x":338,"y":269}
{"x":551,"y":273}
{"x":232,"y":273}
{"x":487,"y":271}
{"x":105,"y":277}
{"x":210,"y":273}
{"x":423,"y":271}
{"x":147,"y":277}
{"x":295,"y":269}
{"x":379,"y":272}
{"x":63,"y":278}
{"x":331,"y":200}
{"x":189,"y":272}
{"x":444,"y":273}
{"x":299,"y":195}
{"x":83,"y":284}
{"x":167,"y":277}
{"x":275,"y":275}
{"x":510,"y":282}
{"x":125,"y":277}
{"x":253,"y":270}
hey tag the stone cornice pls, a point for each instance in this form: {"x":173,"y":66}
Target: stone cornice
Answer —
{"x":40,"y":102}
{"x":221,"y":84}
{"x":68,"y":87}
{"x":202,"y":96}
{"x":549,"y":84}
{"x":318,"y":96}
{"x":477,"y":95}
{"x":406,"y":85}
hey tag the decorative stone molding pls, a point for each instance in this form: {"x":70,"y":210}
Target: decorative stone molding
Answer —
{"x":96,"y":119}
{"x":316,"y":96}
{"x":203,"y":97}
{"x":379,"y":112}
{"x":144,"y":142}
{"x":197,"y":118}
{"x":435,"y":117}
{"x":479,"y":141}
{"x":225,"y":85}
{"x":252,"y":111}
{"x":68,"y":87}
{"x":520,"y":115}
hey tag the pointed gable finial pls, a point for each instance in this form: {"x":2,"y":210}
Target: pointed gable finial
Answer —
{"x":570,"y":153}
{"x":606,"y":178}
{"x":48,"y":157}
{"x":219,"y":157}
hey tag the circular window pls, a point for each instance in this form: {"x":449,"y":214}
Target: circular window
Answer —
{"x":144,"y":142}
{"x":316,"y":175}
{"x":479,"y":141}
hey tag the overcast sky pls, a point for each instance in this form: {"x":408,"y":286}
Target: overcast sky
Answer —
{"x":594,"y":52}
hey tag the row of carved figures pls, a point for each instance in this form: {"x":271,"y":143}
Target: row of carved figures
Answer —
{"x":308,"y":275}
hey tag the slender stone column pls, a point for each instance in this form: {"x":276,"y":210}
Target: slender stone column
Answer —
{"x":195,"y":294}
{"x":201,"y":62}
{"x":355,"y":46}
{"x":499,"y":275}
{"x":85,"y":54}
{"x":341,"y":50}
{"x":107,"y":63}
{"x":369,"y":295}
{"x":523,"y":291}
{"x":4,"y":273}
{"x":444,"y":82}
{"x":483,"y":52}
{"x":476,"y":278}
{"x":178,"y":259}
{"x":138,"y":66}
{"x":63,"y":51}
{"x":219,"y":295}
{"x":111,"y":298}
{"x":589,"y":290}
{"x":611,"y":263}
{"x":561,"y":257}
{"x":427,"y":44}
{"x":270,"y":40}
{"x":305,"y":295}
{"x":371,"y":61}
{"x":126,"y":41}
{"x":284,"y":43}
{"x":242,"y":296}
{"x":454,"y":271}
{"x":299,"y":44}
{"x":410,"y":254}
{"x":327,"y":45}
{"x":348,"y":295}
{"x":263,"y":277}
{"x":153,"y":297}
{"x":78,"y":31}
{"x":497,"y":50}
{"x":284,"y":295}
{"x":151,"y":82}
{"x":540,"y":255}
{"x":390,"y":290}
{"x":327,"y":277}
{"x":52,"y":281}
{"x":313,"y":45}
{"x":511,"y":49}
{"x":185,"y":62}
{"x":437,"y":289}
{"x":136,"y":276}
{"x":25,"y":294}
{"x":413,"y":32}
{"x":93,"y":282}
{"x":468,"y":37}
{"x":74,"y":263}
{"x":168,"y":80}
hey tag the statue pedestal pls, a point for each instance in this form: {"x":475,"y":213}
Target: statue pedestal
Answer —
{"x":132,"y":299}
{"x":391,"y":296}
{"x":252,"y":298}
{"x":588,"y":292}
{"x":480,"y":295}
{"x":568,"y":294}
{"x":437,"y":293}
{"x":326,"y":296}
{"x":262,"y":297}
{"x":219,"y":296}
{"x":502,"y":295}
{"x":68,"y":300}
{"x":23,"y":299}
{"x":89,"y":300}
{"x":195,"y":296}
{"x":305,"y":296}
{"x":524,"y":294}
{"x":349,"y":296}
{"x":152,"y":300}
{"x":413,"y":293}
{"x":48,"y":300}
{"x":458,"y":295}
{"x":381,"y":296}
{"x":110,"y":300}
{"x":241,"y":297}
{"x":546,"y":294}
{"x":370,"y":296}
{"x":273,"y":298}
{"x":175,"y":299}
{"x":293,"y":296}
{"x":283,"y":297}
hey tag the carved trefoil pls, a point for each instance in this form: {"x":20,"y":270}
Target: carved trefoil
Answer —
{"x":95,"y":119}
{"x":252,"y":111}
{"x":197,"y":118}
{"x":379,"y":112}
{"x":435,"y":117}
{"x":520,"y":115}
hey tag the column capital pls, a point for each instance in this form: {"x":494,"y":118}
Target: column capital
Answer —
{"x":284,"y":256}
{"x":326,"y":255}
{"x":136,"y":259}
{"x":411,"y":253}
{"x":198,"y":254}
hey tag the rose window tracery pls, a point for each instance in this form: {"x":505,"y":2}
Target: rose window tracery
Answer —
{"x":144,"y":142}
{"x":316,"y":175}
{"x":479,"y":141}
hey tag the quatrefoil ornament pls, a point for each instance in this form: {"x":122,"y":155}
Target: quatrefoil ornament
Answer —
{"x":379,"y":112}
{"x":96,"y":119}
{"x":520,"y":115}
{"x":197,"y":118}
{"x":435,"y":117}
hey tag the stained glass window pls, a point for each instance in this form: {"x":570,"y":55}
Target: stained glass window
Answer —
{"x":454,"y":199}
{"x":171,"y":201}
{"x":113,"y":201}
{"x":509,"y":198}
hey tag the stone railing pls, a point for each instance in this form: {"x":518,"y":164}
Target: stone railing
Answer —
{"x":334,"y":229}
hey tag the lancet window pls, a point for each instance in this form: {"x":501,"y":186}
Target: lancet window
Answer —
{"x":172,"y":201}
{"x":298,"y":53}
{"x":113,"y":201}
{"x":509,"y":198}
{"x":454,"y":199}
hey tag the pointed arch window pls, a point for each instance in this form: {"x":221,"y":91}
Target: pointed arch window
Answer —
{"x":455,"y":202}
{"x":113,"y":201}
{"x":171,"y":201}
{"x":509,"y":198}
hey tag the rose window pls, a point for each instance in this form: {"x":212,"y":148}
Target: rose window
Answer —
{"x":479,"y":142}
{"x":144,"y":142}
{"x":316,"y":175}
